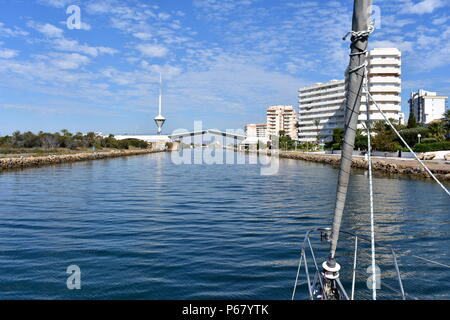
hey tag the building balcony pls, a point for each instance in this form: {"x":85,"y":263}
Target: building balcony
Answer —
{"x":321,"y":116}
{"x":383,"y":62}
{"x":385,"y":70}
{"x":323,"y":91}
{"x":379,"y":88}
{"x":326,"y":87}
{"x":323,"y":103}
{"x":378,"y":117}
{"x":385,"y":80}
{"x":384,"y":107}
{"x":321,"y":128}
{"x":305,"y":100}
{"x":384,"y":98}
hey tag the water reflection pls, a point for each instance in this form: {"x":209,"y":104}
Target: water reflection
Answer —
{"x":145,"y":228}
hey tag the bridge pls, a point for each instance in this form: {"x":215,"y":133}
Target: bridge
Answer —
{"x":181,"y":136}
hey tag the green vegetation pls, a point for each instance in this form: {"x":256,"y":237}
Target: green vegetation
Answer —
{"x":63,"y":142}
{"x":411,"y":135}
{"x":437,"y":131}
{"x":338,"y":138}
{"x":385,"y":138}
{"x":286,"y":142}
{"x":430,"y":147}
{"x":446,"y":122}
{"x":412,"y":122}
{"x":433,"y":137}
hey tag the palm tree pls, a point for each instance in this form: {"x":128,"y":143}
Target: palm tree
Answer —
{"x":447,"y":122}
{"x":437,"y":131}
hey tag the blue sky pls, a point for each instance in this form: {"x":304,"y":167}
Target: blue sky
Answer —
{"x":224,"y":61}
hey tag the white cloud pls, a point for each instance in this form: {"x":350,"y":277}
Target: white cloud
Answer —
{"x":99,"y":7}
{"x":47,"y":29}
{"x":8,"y":32}
{"x":8,"y":53}
{"x":152,"y":50}
{"x":85,"y":26}
{"x":63,"y":44}
{"x":439,"y":21}
{"x":394,"y":21}
{"x":142,"y":35}
{"x":221,"y":9}
{"x":56,"y":3}
{"x":424,"y":6}
{"x":69,"y":61}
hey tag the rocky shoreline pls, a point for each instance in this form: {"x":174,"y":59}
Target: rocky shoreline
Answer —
{"x":30,"y":162}
{"x":386,"y":165}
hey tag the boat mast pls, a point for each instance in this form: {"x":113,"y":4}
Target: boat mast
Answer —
{"x":355,"y":81}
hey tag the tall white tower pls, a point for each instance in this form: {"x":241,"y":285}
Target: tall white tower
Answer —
{"x":160,"y":120}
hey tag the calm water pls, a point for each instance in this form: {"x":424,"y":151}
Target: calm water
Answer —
{"x":144,"y":228}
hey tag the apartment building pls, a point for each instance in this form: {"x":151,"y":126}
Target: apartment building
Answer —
{"x":427,"y":106}
{"x":321,"y":110}
{"x":282,"y":118}
{"x":322,"y":105}
{"x":256,"y":130}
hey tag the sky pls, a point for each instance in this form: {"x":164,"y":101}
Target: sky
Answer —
{"x":223,"y":61}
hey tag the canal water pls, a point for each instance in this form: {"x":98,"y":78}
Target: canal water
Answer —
{"x":146,"y":228}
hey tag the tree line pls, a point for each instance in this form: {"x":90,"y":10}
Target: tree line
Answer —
{"x":65,"y":139}
{"x":433,"y":137}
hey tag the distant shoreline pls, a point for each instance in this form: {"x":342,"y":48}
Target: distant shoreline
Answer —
{"x":33,"y":161}
{"x":386,"y":165}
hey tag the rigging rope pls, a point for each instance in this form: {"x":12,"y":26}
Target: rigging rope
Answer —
{"x":372,"y":218}
{"x":407,"y":145}
{"x":431,"y":261}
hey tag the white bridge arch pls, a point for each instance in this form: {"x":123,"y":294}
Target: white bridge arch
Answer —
{"x":229,"y":135}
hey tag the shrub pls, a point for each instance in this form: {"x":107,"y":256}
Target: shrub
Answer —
{"x":437,"y":146}
{"x":410,"y":135}
{"x":429,"y":140}
{"x":127,"y":143}
{"x":336,"y":146}
{"x":361,"y":142}
{"x":29,"y":140}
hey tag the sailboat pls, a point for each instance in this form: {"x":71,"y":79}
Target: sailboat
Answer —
{"x":324,"y":281}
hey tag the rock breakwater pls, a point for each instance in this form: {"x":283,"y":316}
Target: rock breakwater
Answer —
{"x":386,"y":165}
{"x":29,"y":162}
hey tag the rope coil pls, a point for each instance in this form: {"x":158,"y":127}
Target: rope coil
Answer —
{"x":358,"y":35}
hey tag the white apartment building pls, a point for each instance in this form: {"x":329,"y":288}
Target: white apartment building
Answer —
{"x":321,"y":110}
{"x":427,"y":106}
{"x":385,"y":85}
{"x":282,"y":118}
{"x":256,"y":130}
{"x":322,"y":105}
